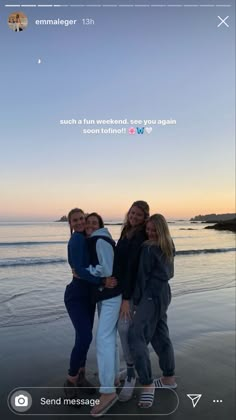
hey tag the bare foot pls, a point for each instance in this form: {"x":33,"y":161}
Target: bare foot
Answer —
{"x":105,"y":400}
{"x":72,"y":379}
{"x":168,"y":380}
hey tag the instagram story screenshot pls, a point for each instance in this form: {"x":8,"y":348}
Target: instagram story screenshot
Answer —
{"x":117,"y":215}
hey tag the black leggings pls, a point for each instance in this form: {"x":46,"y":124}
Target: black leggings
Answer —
{"x":81,"y":312}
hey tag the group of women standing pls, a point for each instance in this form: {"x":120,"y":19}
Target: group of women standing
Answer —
{"x":129,"y":284}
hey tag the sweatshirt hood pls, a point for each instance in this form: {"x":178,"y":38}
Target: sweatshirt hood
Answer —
{"x":101,"y":232}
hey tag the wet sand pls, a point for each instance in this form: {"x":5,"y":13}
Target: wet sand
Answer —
{"x":202,"y":328}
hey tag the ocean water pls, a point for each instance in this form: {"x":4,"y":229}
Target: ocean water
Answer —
{"x":34,"y":269}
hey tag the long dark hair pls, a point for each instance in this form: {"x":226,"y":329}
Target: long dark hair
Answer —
{"x":71,"y":212}
{"x":100,"y":219}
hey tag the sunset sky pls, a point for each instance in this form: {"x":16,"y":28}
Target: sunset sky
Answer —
{"x":134,"y":63}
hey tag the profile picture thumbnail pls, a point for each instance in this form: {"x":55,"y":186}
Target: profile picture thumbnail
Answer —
{"x":17,"y":21}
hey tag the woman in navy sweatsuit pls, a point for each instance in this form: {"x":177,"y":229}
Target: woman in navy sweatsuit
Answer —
{"x":78,"y":302}
{"x":152,"y":297}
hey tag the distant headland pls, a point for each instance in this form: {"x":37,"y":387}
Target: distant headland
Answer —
{"x":65,"y":219}
{"x":225,"y":225}
{"x":62,"y":219}
{"x":213,"y":217}
{"x":225,"y":221}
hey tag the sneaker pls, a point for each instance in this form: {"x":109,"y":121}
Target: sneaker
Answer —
{"x":127,"y":390}
{"x":120,"y":378}
{"x":122,"y":374}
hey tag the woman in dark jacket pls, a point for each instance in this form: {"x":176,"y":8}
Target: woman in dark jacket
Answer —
{"x":126,"y":261}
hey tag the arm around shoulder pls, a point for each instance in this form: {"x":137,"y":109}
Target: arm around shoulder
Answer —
{"x":77,"y":250}
{"x":105,"y":254}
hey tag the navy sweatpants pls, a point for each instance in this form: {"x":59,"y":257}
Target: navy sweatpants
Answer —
{"x":150,"y":326}
{"x":81,"y":312}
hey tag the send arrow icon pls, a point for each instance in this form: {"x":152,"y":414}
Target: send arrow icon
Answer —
{"x":194,"y":398}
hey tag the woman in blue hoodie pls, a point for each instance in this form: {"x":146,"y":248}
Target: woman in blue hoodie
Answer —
{"x":101,"y":252}
{"x":78,"y":302}
{"x":152,"y":297}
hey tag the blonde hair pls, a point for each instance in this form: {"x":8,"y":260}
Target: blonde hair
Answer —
{"x":164,"y":240}
{"x":142,"y":205}
{"x":71,"y":212}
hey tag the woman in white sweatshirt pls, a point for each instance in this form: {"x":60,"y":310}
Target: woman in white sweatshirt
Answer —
{"x":101,"y":253}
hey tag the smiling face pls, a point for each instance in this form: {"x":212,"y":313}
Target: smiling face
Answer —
{"x":151,"y":231}
{"x":77,"y":222}
{"x":136,"y":216}
{"x":92,"y":224}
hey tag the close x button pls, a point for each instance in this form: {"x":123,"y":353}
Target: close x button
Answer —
{"x":223,"y":21}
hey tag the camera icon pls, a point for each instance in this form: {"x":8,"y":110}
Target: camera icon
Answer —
{"x":21,"y":401}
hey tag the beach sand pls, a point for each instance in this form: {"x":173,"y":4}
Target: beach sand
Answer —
{"x":202,"y":329}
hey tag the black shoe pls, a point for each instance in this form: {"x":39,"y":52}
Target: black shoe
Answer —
{"x":84,"y":384}
{"x":71,"y":391}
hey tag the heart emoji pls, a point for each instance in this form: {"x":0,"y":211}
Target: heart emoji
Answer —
{"x":148,"y":130}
